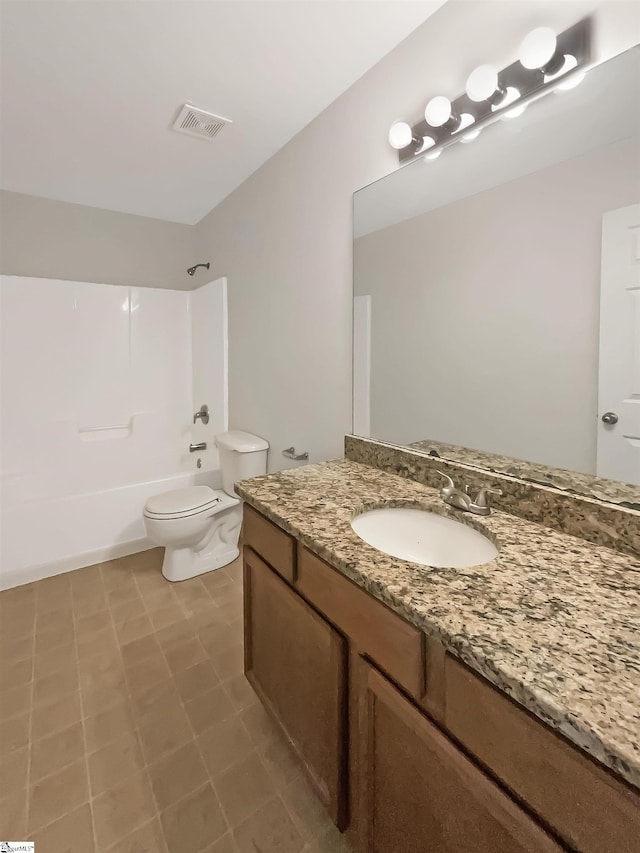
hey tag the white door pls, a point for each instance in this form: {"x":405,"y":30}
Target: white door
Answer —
{"x":619,"y":370}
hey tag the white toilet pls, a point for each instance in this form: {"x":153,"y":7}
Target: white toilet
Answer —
{"x":199,"y":526}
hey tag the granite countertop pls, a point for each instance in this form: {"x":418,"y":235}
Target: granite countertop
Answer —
{"x":553,"y":621}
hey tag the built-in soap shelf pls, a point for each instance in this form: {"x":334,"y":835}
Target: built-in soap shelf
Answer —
{"x":104,"y":433}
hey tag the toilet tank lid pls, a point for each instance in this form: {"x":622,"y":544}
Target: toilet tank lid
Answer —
{"x":242,"y":442}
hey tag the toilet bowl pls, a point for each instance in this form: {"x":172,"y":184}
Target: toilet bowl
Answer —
{"x":198,"y":526}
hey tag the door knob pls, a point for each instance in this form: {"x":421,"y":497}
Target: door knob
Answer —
{"x":610,"y":418}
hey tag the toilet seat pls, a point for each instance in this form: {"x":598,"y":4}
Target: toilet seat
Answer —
{"x":184,"y":503}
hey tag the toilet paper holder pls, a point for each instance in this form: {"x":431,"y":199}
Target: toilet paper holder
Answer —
{"x":290,"y":453}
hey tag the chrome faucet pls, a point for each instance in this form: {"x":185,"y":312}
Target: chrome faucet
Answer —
{"x":453,"y":496}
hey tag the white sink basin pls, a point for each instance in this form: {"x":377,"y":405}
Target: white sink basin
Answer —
{"x":424,"y":537}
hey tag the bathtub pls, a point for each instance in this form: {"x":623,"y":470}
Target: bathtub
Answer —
{"x":52,"y":535}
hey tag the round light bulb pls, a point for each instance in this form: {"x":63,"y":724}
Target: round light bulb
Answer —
{"x":438,"y":111}
{"x":433,"y":155}
{"x":538,"y":48}
{"x":427,"y":142}
{"x":569,"y":62}
{"x":482,"y":83}
{"x":512,"y":94}
{"x":400,"y":134}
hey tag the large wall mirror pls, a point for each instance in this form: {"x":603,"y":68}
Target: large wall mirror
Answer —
{"x":497,"y":293}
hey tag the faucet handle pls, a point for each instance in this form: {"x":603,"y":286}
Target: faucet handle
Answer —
{"x":482,"y":500}
{"x":449,"y":487}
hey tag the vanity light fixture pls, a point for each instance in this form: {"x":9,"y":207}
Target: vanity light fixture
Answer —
{"x":544,"y":60}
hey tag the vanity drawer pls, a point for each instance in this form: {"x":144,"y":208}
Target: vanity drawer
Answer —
{"x":270,"y":542}
{"x":588,"y":808}
{"x":396,"y":646}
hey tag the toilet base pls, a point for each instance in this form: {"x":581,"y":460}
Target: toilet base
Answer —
{"x":180,"y":564}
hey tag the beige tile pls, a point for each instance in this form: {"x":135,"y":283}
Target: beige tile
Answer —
{"x":215,"y":581}
{"x":164,"y":731}
{"x":230,"y":662}
{"x":330,"y":841}
{"x":147,"y":673}
{"x":15,"y":767}
{"x":93,"y":623}
{"x":306,"y":809}
{"x":176,"y":775}
{"x":99,"y":698}
{"x":16,"y":673}
{"x":14,"y":734}
{"x":282,"y":764}
{"x":120,"y":811}
{"x":127,"y":610}
{"x":224,"y":745}
{"x":16,"y":625}
{"x":269,"y":830}
{"x":13,"y":815}
{"x":55,"y":716}
{"x":148,"y":839}
{"x":218,"y":638}
{"x":243,"y":789}
{"x":16,"y":650}
{"x":53,"y":637}
{"x":51,"y":753}
{"x":194,"y":822}
{"x":95,"y":645}
{"x":48,"y":662}
{"x":90,"y":604}
{"x":161,"y":696}
{"x":209,"y":709}
{"x":72,"y":833}
{"x":175,"y":635}
{"x":259,"y":724}
{"x":133,"y":629}
{"x":160,"y":598}
{"x":196,"y":680}
{"x":121,"y":594}
{"x":139,"y":650}
{"x":105,"y":670}
{"x":114,"y":763}
{"x":165,"y":616}
{"x":61,"y":618}
{"x":56,"y":795}
{"x":19,"y":596}
{"x":185,"y":655}
{"x":108,"y":726}
{"x":226,"y":844}
{"x":15,"y":701}
{"x":240,"y":692}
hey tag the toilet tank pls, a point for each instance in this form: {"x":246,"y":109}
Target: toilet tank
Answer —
{"x":242,"y":455}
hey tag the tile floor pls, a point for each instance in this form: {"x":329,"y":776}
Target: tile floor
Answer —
{"x":127,"y":726}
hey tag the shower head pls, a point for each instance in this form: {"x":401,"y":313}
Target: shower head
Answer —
{"x":191,"y":270}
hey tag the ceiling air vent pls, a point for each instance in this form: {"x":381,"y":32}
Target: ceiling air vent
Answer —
{"x":200,"y":123}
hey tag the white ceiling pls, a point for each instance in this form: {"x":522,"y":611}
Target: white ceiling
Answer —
{"x":90,"y":89}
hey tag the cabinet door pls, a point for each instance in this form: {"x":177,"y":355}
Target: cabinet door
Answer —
{"x":422,"y":795}
{"x":296,"y":663}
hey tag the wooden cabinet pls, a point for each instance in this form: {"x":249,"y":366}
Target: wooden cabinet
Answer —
{"x":296,"y":662}
{"x":408,"y":749}
{"x":422,"y":795}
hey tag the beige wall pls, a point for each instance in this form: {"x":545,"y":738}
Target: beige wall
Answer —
{"x":283,"y":237}
{"x":494,"y":345}
{"x":54,"y":239}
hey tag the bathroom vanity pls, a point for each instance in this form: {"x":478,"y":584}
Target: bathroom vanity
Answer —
{"x":493,"y":708}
